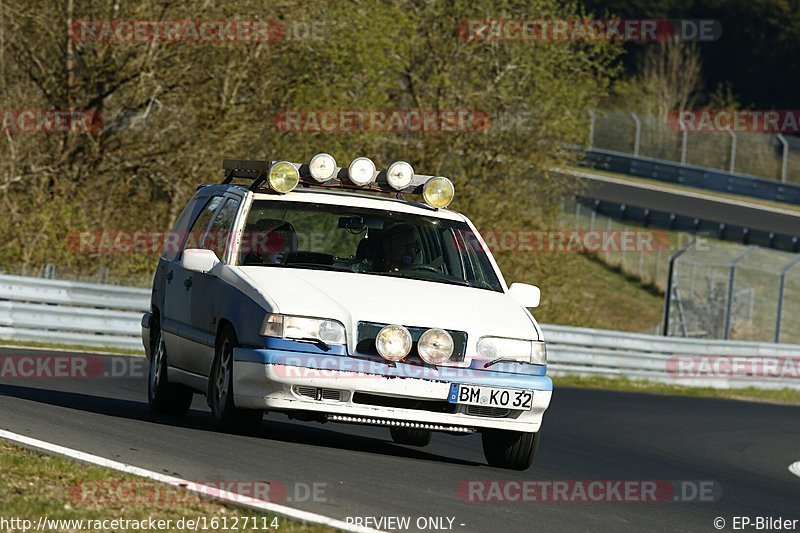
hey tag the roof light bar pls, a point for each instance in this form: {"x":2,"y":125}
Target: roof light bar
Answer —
{"x":322,"y":171}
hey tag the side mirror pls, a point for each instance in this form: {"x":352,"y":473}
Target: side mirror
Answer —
{"x":526,"y":295}
{"x":199,"y":260}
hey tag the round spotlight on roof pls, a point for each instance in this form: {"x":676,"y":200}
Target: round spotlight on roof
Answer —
{"x":283,"y":177}
{"x":399,"y":175}
{"x":322,"y":167}
{"x":438,"y":192}
{"x":361,"y":171}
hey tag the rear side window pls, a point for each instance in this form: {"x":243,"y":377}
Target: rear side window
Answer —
{"x":173,"y":241}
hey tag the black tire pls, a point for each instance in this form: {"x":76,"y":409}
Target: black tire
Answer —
{"x":411,"y":436}
{"x":163,"y":396}
{"x":227,"y":417}
{"x":513,"y":450}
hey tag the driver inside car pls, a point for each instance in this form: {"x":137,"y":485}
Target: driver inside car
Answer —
{"x":400,"y":247}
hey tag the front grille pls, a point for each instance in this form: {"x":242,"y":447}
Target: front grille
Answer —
{"x":490,"y":412}
{"x":318,"y":394}
{"x":435,"y":406}
{"x":368,"y":331}
{"x":330,"y":394}
{"x":308,"y":392}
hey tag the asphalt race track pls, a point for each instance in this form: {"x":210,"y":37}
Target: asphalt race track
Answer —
{"x":743,"y":448}
{"x":731,"y":211}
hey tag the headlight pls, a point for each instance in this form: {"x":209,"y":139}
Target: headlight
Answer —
{"x":322,"y":167}
{"x":361,"y":171}
{"x":302,"y":328}
{"x":283,"y":177}
{"x":399,"y":175}
{"x":435,"y":346}
{"x":438,"y":192}
{"x":393,"y":342}
{"x":502,"y":349}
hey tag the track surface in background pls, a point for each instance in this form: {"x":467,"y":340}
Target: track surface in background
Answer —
{"x":588,"y":435}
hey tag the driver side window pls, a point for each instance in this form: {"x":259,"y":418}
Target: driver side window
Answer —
{"x":198,"y":229}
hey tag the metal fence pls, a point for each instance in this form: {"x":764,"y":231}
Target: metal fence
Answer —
{"x":771,"y":156}
{"x":649,"y":266}
{"x":33,"y":309}
{"x":729,"y":291}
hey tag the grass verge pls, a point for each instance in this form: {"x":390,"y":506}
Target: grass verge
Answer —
{"x":780,"y":396}
{"x":71,"y":347}
{"x":34,"y":485}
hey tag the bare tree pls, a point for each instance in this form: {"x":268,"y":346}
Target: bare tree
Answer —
{"x":671,"y":75}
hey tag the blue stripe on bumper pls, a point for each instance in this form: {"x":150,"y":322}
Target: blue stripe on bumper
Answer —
{"x":532,"y":379}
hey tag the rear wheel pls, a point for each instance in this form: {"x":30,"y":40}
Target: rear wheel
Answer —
{"x":411,"y":436}
{"x":513,"y":450}
{"x":227,"y":417}
{"x":162,"y":396}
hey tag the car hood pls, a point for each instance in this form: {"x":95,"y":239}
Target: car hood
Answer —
{"x":353,"y":297}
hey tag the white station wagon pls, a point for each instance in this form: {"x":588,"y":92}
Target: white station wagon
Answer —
{"x":335,"y":295}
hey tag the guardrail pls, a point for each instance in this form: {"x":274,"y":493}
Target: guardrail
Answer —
{"x":65,"y":312}
{"x":694,"y":176}
{"x":673,"y":360}
{"x":68,"y":312}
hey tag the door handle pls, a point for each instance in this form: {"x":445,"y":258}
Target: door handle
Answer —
{"x":187,"y":282}
{"x":169,"y":276}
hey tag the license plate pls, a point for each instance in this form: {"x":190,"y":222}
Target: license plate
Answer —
{"x":490,"y":397}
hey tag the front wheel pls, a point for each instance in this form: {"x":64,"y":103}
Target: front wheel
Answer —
{"x":227,"y":417}
{"x":164,"y":397}
{"x":411,"y":436}
{"x":513,"y":450}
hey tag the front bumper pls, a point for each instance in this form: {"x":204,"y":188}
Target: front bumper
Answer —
{"x":284,"y":380}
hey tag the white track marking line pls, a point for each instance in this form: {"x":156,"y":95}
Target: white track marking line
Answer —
{"x":794,"y":468}
{"x":204,"y":490}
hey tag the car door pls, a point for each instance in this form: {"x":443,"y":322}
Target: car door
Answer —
{"x":205,"y":291}
{"x":177,"y":303}
{"x":165,"y":270}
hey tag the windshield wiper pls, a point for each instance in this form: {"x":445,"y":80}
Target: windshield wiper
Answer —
{"x":313,"y":266}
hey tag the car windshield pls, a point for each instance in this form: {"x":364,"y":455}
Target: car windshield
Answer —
{"x":367,"y":241}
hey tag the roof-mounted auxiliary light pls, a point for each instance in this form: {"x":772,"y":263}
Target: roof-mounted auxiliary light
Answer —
{"x":438,"y":192}
{"x":322,"y":167}
{"x":399,"y":175}
{"x":283,"y":177}
{"x":361,"y":171}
